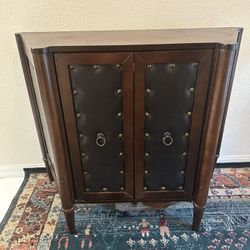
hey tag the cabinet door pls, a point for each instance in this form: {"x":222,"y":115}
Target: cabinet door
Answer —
{"x":170,"y":97}
{"x":97,"y":98}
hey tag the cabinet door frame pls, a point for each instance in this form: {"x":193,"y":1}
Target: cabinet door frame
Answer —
{"x":204,"y":59}
{"x":125,"y":59}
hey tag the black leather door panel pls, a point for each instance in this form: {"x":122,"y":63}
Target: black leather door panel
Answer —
{"x":97,"y":98}
{"x":170,"y":99}
{"x":167,"y":106}
{"x":97,"y":104}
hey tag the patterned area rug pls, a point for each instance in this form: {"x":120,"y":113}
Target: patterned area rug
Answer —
{"x":35,"y":220}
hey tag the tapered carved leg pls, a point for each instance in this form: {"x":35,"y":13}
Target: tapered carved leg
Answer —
{"x":198,"y":212}
{"x":70,"y":219}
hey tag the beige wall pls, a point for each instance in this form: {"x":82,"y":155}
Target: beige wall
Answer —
{"x":18,"y":140}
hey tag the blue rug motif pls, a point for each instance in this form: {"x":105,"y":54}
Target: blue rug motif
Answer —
{"x":225,"y":225}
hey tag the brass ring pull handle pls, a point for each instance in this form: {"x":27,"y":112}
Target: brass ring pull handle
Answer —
{"x":100,"y":140}
{"x":167,"y":139}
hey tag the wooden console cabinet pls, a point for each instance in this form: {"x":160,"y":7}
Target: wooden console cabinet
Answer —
{"x":128,"y":116}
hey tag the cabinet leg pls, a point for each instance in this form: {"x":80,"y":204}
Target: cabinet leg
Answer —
{"x":50,"y":174}
{"x":70,"y":219}
{"x":198,"y":212}
{"x":48,"y":170}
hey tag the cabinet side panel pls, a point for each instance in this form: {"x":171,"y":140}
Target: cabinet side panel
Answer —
{"x":29,"y":76}
{"x":42,"y":121}
{"x":233,"y":66}
{"x":47,"y":87}
{"x":220,"y":83}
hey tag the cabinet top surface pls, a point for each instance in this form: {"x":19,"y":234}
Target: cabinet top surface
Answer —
{"x":40,"y":40}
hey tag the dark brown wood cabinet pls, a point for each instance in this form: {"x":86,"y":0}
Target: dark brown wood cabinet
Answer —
{"x":130,"y":115}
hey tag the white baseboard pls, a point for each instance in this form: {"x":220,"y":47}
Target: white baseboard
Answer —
{"x":15,"y":171}
{"x":233,"y":158}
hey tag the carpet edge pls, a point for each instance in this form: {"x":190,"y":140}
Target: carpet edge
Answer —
{"x":27,"y":172}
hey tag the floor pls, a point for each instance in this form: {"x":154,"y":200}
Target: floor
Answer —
{"x":8,"y":189}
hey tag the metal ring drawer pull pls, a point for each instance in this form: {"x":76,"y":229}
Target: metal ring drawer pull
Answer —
{"x":167,"y":139}
{"x":100,"y":140}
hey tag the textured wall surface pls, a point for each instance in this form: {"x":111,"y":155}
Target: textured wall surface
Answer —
{"x":18,"y":139}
